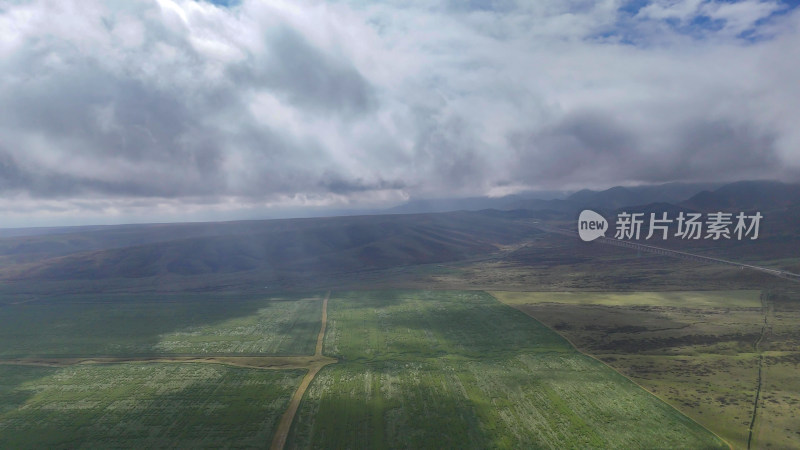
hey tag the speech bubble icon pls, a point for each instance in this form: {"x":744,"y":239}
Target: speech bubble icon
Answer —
{"x":591,"y":225}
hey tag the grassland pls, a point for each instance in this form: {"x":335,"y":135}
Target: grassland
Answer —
{"x":141,"y":406}
{"x":557,"y":263}
{"x":460,"y":370}
{"x":697,"y":353}
{"x":674,"y":299}
{"x":96,"y":325}
{"x":776,"y":422}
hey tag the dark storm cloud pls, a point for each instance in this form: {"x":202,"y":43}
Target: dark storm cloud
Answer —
{"x":447,"y":148}
{"x":717,"y":149}
{"x":104,"y":121}
{"x":17,"y":178}
{"x":306,"y":76}
{"x":339,"y":184}
{"x":165,"y":139}
{"x":592,"y":148}
{"x":579,"y":144}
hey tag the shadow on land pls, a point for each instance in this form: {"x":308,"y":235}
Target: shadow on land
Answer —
{"x":129,"y":325}
{"x":239,"y":408}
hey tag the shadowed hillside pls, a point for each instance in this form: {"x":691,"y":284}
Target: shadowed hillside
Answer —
{"x":747,"y":196}
{"x":327,"y":245}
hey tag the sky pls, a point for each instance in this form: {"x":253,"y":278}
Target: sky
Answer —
{"x":138,"y":111}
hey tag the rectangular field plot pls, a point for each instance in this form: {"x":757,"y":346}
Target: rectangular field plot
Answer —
{"x":142,"y":406}
{"x":143,"y":326}
{"x":461,"y":370}
{"x":413,"y":325}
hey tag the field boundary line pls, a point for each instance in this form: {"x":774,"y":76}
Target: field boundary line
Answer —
{"x":577,"y":349}
{"x":248,"y":362}
{"x":760,"y":378}
{"x":321,"y":335}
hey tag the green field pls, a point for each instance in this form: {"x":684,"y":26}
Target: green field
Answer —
{"x":676,"y":299}
{"x":461,"y":370}
{"x":159,"y":325}
{"x":141,"y":406}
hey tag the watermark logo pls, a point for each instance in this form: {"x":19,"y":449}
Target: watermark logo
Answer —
{"x":591,"y":225}
{"x":714,"y":226}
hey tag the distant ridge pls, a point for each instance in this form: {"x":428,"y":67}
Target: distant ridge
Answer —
{"x":609,"y":199}
{"x":474,"y":203}
{"x":747,"y":196}
{"x":321,"y":246}
{"x":271,"y":249}
{"x":620,"y":196}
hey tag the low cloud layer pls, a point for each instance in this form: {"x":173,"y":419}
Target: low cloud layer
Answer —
{"x":163,"y":108}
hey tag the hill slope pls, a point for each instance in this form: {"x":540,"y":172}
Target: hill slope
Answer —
{"x":325,"y":245}
{"x":747,"y":196}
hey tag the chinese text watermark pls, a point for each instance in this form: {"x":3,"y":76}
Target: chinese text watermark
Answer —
{"x":715,"y":226}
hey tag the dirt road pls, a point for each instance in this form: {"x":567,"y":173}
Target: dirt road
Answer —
{"x":320,"y":361}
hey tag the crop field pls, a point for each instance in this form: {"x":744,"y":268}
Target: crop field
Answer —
{"x":420,"y":369}
{"x":142,"y":405}
{"x":702,"y":355}
{"x":416,"y":369}
{"x":277,"y":328}
{"x":140,"y":325}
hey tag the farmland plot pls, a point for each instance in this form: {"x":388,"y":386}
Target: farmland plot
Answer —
{"x":201,"y":324}
{"x":141,"y":405}
{"x":461,"y":370}
{"x":277,"y":328}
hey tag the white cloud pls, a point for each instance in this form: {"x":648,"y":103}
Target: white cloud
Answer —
{"x":344,"y":103}
{"x":741,"y":16}
{"x":682,"y":10}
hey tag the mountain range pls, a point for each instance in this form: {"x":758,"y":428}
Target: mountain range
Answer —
{"x":270,"y":249}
